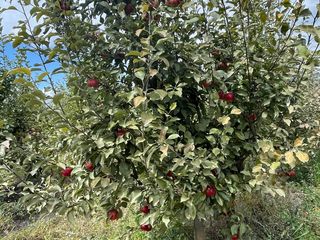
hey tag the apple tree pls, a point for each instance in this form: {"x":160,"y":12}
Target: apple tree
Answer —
{"x":174,"y":106}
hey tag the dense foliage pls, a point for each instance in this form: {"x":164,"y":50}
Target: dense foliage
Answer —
{"x":173,"y":105}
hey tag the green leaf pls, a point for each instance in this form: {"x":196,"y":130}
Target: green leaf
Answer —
{"x":95,"y":181}
{"x":136,"y":196}
{"x":42,"y":76}
{"x":158,"y":94}
{"x":57,"y":98}
{"x":234,"y":229}
{"x":39,"y":94}
{"x":100,"y":143}
{"x":124,"y":168}
{"x":147,"y":118}
{"x":21,"y":70}
{"x":173,"y":136}
{"x":138,"y":100}
{"x":191,"y":211}
{"x":17,"y":41}
{"x":161,"y":183}
{"x":243,"y":229}
{"x":133,"y":53}
{"x":192,"y":20}
{"x":140,"y":73}
{"x":166,"y":220}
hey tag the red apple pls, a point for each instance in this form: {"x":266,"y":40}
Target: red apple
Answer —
{"x":222,"y":66}
{"x":128,"y":9}
{"x":170,"y":174}
{"x":66,"y":172}
{"x":146,"y":227}
{"x":221,"y":95}
{"x":89,"y":166}
{"x":173,"y":3}
{"x":211,"y":191}
{"x":113,"y":214}
{"x":121,"y":132}
{"x":206,"y":84}
{"x":145,"y":209}
{"x":64,"y":5}
{"x":292,"y":173}
{"x":93,"y":83}
{"x":229,"y":97}
{"x":235,"y":237}
{"x":252,"y":117}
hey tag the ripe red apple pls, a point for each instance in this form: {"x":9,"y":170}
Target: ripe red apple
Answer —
{"x":222,"y":66}
{"x":170,"y":174}
{"x":145,"y":209}
{"x":146,"y":227}
{"x":221,"y":95}
{"x":64,"y":5}
{"x":173,"y":3}
{"x":206,"y":84}
{"x":66,"y":172}
{"x":252,"y":117}
{"x":292,"y":173}
{"x":211,"y":191}
{"x":93,"y":83}
{"x":121,"y":132}
{"x":229,"y":97}
{"x":128,"y":9}
{"x":89,"y":166}
{"x":113,"y":214}
{"x":235,"y":237}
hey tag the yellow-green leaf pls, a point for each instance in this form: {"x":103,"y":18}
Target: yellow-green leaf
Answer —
{"x":224,"y":120}
{"x":298,"y":142}
{"x":21,"y":70}
{"x":138,"y":100}
{"x":42,"y":76}
{"x":57,"y":98}
{"x":274,"y":167}
{"x":290,"y":159}
{"x":302,"y":156}
{"x":17,"y":41}
{"x":236,"y":111}
{"x":287,"y":121}
{"x":280,"y":192}
{"x":265,"y":145}
{"x":153,"y":72}
{"x":257,"y":168}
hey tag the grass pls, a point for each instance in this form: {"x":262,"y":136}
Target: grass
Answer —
{"x":88,"y":229}
{"x":84,"y":228}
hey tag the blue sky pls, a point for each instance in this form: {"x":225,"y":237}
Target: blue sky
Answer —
{"x":9,"y":21}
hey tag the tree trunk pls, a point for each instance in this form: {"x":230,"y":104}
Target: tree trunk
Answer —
{"x":199,"y":230}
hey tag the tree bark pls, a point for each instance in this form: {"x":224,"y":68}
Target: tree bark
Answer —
{"x":199,"y":230}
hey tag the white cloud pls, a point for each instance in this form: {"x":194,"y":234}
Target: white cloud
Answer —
{"x":10,"y":18}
